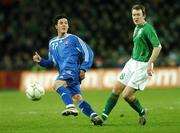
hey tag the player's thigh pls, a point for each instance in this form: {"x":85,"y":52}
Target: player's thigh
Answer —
{"x":139,"y":79}
{"x":128,"y":93}
{"x":118,"y":87}
{"x":59,"y":83}
{"x":125,"y":75}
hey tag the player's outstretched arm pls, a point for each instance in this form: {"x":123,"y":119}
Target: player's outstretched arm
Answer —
{"x":36,"y":57}
{"x":41,"y":61}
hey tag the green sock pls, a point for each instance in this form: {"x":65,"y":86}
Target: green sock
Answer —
{"x":111,"y":102}
{"x":137,"y":106}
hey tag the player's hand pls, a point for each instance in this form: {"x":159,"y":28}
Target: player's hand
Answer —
{"x":36,"y":57}
{"x":150,"y":69}
{"x":82,"y":74}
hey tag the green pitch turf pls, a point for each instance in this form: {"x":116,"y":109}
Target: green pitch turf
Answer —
{"x":20,"y":115}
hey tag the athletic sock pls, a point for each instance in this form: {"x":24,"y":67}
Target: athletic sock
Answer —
{"x":104,"y":116}
{"x":111,"y":102}
{"x":86,"y":108}
{"x":137,"y":107}
{"x":65,"y":96}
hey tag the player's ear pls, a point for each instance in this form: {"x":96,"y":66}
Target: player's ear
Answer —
{"x":144,"y":15}
{"x":55,"y":26}
{"x":68,"y":26}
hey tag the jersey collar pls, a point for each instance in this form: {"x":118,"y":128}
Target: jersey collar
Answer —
{"x":64,"y":36}
{"x":141,"y":25}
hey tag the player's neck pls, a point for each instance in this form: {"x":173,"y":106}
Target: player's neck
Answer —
{"x":142,"y":24}
{"x":62,"y":35}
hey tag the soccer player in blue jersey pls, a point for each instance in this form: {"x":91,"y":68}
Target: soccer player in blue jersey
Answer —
{"x":72,"y":57}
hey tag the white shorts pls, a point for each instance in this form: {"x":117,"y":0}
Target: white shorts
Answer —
{"x":134,"y":74}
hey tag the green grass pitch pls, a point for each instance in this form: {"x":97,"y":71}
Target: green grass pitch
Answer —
{"x":20,"y":115}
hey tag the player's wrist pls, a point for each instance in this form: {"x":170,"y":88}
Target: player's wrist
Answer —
{"x":150,"y":62}
{"x":83,"y":70}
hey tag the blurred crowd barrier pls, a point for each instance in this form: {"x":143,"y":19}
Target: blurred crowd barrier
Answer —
{"x":96,"y":79}
{"x":10,"y":79}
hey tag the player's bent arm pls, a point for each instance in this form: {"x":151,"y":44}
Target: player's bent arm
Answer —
{"x":155,"y":53}
{"x":46,"y":63}
{"x":87,"y":55}
{"x":82,"y":74}
{"x":153,"y":57}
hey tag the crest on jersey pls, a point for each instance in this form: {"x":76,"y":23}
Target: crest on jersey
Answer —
{"x":66,"y":43}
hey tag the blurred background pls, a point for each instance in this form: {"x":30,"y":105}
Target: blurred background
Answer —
{"x":26,"y":26}
{"x":106,"y":25}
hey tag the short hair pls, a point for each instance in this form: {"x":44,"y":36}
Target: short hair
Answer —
{"x":139,"y":7}
{"x":57,"y":17}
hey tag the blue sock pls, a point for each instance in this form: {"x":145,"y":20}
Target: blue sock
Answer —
{"x":65,"y":96}
{"x":85,"y":108}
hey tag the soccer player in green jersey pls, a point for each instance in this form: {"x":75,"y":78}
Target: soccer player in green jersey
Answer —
{"x":137,"y":70}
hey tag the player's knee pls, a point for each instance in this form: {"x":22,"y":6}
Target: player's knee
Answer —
{"x":118,"y":88}
{"x":59,"y":83}
{"x":77,"y":98}
{"x":128,"y":98}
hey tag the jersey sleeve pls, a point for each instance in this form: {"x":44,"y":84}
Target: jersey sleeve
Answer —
{"x":87,"y":54}
{"x":152,"y":36}
{"x":49,"y":62}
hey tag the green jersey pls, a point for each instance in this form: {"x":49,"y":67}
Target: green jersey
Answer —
{"x":144,"y":38}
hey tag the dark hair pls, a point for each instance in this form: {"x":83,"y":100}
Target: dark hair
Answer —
{"x":139,"y":7}
{"x":57,"y":17}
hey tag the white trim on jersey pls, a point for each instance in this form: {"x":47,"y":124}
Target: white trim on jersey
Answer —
{"x":78,"y":49}
{"x":84,"y":47}
{"x":58,"y":38}
{"x":160,"y":45}
{"x":54,"y":60}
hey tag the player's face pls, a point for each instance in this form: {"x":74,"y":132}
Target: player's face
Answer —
{"x":138,"y":17}
{"x":62,"y":26}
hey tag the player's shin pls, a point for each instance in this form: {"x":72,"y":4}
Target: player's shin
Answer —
{"x":135,"y":104}
{"x":111,"y":102}
{"x":65,"y":96}
{"x":86,"y":108}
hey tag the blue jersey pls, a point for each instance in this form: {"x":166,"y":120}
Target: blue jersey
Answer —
{"x":70,"y":54}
